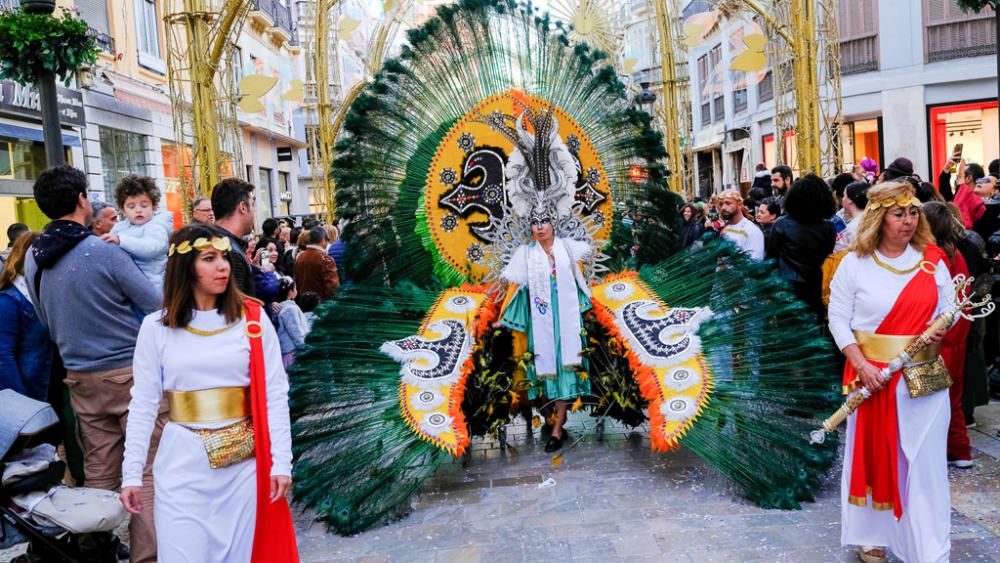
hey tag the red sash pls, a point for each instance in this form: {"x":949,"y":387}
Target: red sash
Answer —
{"x":876,"y":432}
{"x":274,"y":535}
{"x":954,"y":345}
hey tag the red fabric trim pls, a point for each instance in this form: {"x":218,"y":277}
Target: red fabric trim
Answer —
{"x":876,"y":432}
{"x":953,"y":349}
{"x":274,"y":534}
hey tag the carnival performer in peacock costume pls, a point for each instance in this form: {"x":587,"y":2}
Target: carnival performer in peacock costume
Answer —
{"x":484,"y":174}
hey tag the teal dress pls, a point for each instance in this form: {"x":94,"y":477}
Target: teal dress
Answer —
{"x":567,"y":385}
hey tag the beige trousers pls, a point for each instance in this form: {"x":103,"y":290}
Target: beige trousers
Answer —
{"x":100,"y":400}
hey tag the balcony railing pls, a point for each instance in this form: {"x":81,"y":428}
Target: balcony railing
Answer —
{"x":280,"y":15}
{"x":859,"y":55}
{"x":961,"y":39}
{"x":104,"y":41}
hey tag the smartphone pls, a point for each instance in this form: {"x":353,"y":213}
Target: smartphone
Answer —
{"x":264,"y":256}
{"x":956,"y":153}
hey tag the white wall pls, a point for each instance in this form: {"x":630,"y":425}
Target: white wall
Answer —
{"x":905,"y":127}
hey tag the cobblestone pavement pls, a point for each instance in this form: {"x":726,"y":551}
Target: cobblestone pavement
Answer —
{"x":617,"y":501}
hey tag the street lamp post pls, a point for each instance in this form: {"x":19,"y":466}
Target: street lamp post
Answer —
{"x":645,"y":97}
{"x":48,"y":98}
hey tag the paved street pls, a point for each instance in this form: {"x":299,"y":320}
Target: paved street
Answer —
{"x":617,"y":501}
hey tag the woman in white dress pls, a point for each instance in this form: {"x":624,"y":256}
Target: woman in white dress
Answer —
{"x":892,"y":283}
{"x":217,"y":362}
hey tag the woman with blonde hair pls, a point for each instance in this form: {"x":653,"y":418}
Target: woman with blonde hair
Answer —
{"x":223,"y":467}
{"x":892,"y":283}
{"x":25,"y":347}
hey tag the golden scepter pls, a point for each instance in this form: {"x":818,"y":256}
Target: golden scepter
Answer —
{"x":961,"y":308}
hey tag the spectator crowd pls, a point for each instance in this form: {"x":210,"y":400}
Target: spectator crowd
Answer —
{"x":101,"y":265}
{"x":805,"y":226}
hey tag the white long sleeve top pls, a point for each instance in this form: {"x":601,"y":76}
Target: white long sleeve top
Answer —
{"x":747,"y":236}
{"x":169,"y":359}
{"x":862,"y":293}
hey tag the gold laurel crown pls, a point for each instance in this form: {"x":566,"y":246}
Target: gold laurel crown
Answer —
{"x":902,"y":201}
{"x":221,"y":244}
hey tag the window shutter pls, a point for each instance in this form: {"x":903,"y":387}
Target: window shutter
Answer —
{"x":935,"y":11}
{"x":868,"y":17}
{"x":844,"y":20}
{"x":95,"y":13}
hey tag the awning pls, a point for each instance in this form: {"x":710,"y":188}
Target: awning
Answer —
{"x":28,"y":134}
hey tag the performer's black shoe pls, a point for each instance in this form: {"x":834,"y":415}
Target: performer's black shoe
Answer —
{"x":554,"y":444}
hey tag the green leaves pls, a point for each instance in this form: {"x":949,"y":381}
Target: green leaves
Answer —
{"x":31,"y":42}
{"x":978,"y":5}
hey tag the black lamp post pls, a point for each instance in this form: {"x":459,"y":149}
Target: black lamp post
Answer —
{"x":645,"y":97}
{"x":48,"y":99}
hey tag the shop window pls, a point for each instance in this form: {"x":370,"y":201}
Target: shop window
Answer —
{"x":284,"y":194}
{"x":317,"y":200}
{"x":974,"y":125}
{"x":21,"y":160}
{"x":264,"y":193}
{"x":122,"y":153}
{"x":176,"y":173}
{"x":770,"y":159}
{"x":865,"y":141}
{"x":6,"y":166}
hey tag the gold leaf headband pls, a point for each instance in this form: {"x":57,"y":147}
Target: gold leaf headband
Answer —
{"x":902,"y":201}
{"x":221,"y":244}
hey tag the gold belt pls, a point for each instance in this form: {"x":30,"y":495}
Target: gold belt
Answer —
{"x":209,"y":405}
{"x":885,"y":348}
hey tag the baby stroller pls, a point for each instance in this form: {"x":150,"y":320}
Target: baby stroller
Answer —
{"x":63,"y":524}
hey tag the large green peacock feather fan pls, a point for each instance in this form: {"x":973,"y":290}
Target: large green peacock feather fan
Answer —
{"x":358,"y":460}
{"x":468,"y":53}
{"x":773,"y":369}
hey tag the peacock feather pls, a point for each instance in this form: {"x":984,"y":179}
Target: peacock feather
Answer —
{"x":421,"y":174}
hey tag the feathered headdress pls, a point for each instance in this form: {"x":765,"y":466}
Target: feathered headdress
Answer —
{"x":541,"y":174}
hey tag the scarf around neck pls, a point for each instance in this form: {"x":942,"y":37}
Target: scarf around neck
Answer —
{"x":58,"y":238}
{"x":542,"y":311}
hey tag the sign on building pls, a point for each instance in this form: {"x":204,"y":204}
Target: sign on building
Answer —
{"x":24,"y":100}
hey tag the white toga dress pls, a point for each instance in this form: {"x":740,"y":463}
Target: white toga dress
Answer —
{"x":861,"y":296}
{"x":202,"y":514}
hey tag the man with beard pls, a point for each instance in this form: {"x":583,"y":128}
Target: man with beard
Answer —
{"x":738,"y":229}
{"x":781,"y":180}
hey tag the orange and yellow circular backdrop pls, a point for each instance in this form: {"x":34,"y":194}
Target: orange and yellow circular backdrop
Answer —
{"x":465,"y":182}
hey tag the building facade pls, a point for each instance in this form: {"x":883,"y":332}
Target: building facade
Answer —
{"x":269,"y":46}
{"x":118,"y":119}
{"x":345,"y":68}
{"x":916,"y":92}
{"x":22,"y":152}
